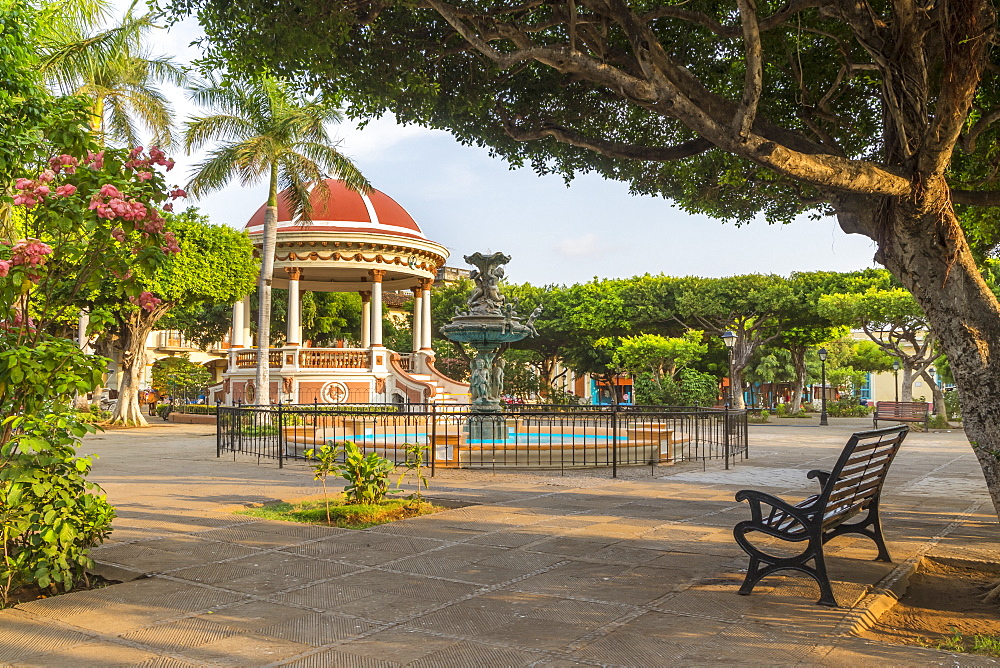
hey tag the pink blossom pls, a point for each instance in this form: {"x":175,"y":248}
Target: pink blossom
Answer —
{"x":24,"y":184}
{"x":169,"y":164}
{"x":171,"y":241}
{"x":118,"y":234}
{"x":41,"y":191}
{"x":29,"y":252}
{"x":134,"y":153}
{"x":168,"y":206}
{"x":145,"y":176}
{"x":65,"y":190}
{"x":108,"y":190}
{"x":25,"y":200}
{"x":147,"y":301}
{"x":95,"y":160}
{"x":4,"y":268}
{"x":47,"y":176}
{"x":156,"y":154}
{"x":177,"y":192}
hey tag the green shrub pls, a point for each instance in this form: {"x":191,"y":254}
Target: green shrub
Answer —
{"x":195,"y":409}
{"x":951,"y":403}
{"x":781,"y":410}
{"x":367,"y":476}
{"x":758,"y":417}
{"x":847,"y":407}
{"x":938,"y":422}
{"x":49,"y":514}
{"x":164,"y":410}
{"x":93,"y":415}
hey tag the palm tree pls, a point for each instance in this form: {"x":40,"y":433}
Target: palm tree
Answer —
{"x":264,"y":131}
{"x":113,"y":68}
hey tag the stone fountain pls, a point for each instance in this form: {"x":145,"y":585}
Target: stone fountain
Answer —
{"x":489,"y":324}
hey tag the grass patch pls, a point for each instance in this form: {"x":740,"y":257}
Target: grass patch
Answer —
{"x":345,"y":516}
{"x":974,"y":644}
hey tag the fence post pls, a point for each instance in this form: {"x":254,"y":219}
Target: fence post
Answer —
{"x":281,"y":435}
{"x":725,"y":428}
{"x":614,"y":440}
{"x":433,"y":435}
{"x":218,"y":430}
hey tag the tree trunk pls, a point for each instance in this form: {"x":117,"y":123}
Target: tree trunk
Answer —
{"x":263,"y":380}
{"x":906,"y":390}
{"x":799,"y":383}
{"x":938,"y":395}
{"x":136,"y":329}
{"x":926,"y":250}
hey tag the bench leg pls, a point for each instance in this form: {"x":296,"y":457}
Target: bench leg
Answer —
{"x":871,"y":527}
{"x":763,"y":564}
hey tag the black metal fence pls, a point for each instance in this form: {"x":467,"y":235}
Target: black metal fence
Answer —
{"x":526,"y":436}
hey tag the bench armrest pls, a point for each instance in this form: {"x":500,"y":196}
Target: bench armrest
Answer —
{"x":759,"y":499}
{"x":822,"y":475}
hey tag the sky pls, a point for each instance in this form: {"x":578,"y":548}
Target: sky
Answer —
{"x":467,"y":201}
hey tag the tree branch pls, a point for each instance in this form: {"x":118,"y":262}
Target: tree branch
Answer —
{"x":732,"y":32}
{"x":976,"y":197}
{"x":969,"y":140}
{"x":609,"y":148}
{"x":753,"y":79}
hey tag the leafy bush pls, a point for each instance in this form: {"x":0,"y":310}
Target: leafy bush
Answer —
{"x":164,"y":411}
{"x":952,"y":405}
{"x":49,"y":515}
{"x":938,"y":422}
{"x":758,"y":417}
{"x":691,"y":388}
{"x":367,"y":476}
{"x":847,"y":407}
{"x":195,"y":409}
{"x":93,"y":415}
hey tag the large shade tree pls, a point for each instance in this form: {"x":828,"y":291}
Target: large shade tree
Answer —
{"x":881,"y":114}
{"x":262,"y":130}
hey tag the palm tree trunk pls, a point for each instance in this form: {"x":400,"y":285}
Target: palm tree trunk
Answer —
{"x":264,"y":291}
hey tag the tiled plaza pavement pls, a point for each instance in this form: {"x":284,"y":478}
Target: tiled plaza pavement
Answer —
{"x":542,"y":569}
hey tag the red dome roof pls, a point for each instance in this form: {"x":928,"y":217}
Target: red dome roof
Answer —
{"x":344,"y":210}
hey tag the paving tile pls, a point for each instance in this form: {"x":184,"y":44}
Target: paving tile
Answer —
{"x":387,"y":607}
{"x":330,"y":595}
{"x":174,"y":637}
{"x":475,"y":654}
{"x":263,"y":583}
{"x":627,"y":649}
{"x":534,"y":633}
{"x":336,"y":657}
{"x":463,"y":619}
{"x":254,"y":615}
{"x":247,"y":535}
{"x":246,"y":650}
{"x":317,"y":629}
{"x":399,"y":646}
{"x":24,"y":635}
{"x":93,"y":655}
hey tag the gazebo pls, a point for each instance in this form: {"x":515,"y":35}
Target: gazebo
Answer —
{"x":364,"y":243}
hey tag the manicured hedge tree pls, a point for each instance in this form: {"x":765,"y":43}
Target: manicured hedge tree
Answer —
{"x":179,"y":377}
{"x":208,"y":264}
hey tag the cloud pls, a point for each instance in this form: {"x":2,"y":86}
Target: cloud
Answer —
{"x":588,"y":244}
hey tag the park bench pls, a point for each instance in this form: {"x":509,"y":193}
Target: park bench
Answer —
{"x":851,"y":488}
{"x":902,"y":411}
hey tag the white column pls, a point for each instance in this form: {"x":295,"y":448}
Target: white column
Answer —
{"x":427,"y":323}
{"x":376,"y":275}
{"x":81,"y":331}
{"x":366,"y":319}
{"x":247,"y":334}
{"x":238,"y":326}
{"x":418,"y":319}
{"x":293,"y":337}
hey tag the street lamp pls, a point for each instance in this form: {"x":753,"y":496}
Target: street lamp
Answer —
{"x":822,"y":415}
{"x":729,"y":338}
{"x":895,"y":377}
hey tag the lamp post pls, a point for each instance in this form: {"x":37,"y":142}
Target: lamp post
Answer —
{"x":895,"y":377}
{"x":822,"y":415}
{"x":729,"y":338}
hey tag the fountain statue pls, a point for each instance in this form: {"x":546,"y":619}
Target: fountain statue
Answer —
{"x":489,"y":324}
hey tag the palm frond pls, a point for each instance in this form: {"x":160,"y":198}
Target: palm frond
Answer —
{"x":213,"y":173}
{"x":200,"y":130}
